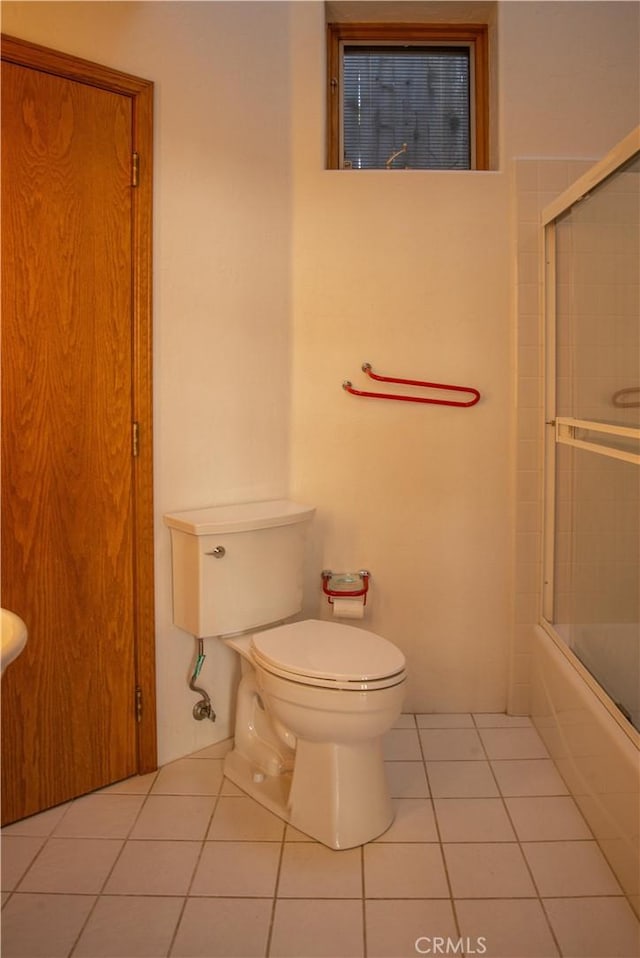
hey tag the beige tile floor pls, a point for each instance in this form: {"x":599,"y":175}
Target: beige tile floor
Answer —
{"x":488,"y":855}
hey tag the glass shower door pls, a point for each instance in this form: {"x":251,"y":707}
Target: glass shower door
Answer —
{"x":592,"y":574}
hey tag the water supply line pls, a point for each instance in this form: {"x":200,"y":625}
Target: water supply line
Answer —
{"x":202,"y":709}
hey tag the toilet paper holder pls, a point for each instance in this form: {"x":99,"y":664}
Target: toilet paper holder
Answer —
{"x":341,"y":585}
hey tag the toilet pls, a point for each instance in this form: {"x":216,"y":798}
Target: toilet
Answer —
{"x":315,"y":697}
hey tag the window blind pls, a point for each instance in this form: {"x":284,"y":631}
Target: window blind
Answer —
{"x":414,"y":95}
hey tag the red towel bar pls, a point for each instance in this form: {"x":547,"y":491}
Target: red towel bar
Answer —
{"x":621,"y":400}
{"x":366,"y":368}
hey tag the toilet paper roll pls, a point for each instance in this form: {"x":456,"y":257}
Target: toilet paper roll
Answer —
{"x":352,"y":608}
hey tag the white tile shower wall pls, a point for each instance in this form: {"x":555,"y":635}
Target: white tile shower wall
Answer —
{"x":598,"y":569}
{"x":597,"y":761}
{"x":599,"y":353}
{"x":534,"y":183}
{"x":599,"y":250}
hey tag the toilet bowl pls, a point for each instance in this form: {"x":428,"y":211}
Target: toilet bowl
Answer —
{"x":315,"y":697}
{"x":313,"y":704}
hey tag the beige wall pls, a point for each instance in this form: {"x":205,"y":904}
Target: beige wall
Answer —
{"x":407,"y":271}
{"x":416,"y":273}
{"x":570,"y":74}
{"x":272,"y":274}
{"x":222,"y":272}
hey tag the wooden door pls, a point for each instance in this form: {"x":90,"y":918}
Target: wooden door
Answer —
{"x":75,"y":498}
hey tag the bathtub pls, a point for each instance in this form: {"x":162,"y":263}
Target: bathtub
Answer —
{"x":611,"y":653}
{"x":596,"y":750}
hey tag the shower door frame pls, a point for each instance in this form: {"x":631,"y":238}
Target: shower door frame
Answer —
{"x":561,"y":430}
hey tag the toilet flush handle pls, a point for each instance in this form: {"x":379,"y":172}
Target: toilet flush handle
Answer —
{"x":218,"y":552}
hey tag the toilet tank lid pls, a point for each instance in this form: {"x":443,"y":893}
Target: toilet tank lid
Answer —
{"x":239,"y":517}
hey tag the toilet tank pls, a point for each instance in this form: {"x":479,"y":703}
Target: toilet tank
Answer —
{"x":237,"y":567}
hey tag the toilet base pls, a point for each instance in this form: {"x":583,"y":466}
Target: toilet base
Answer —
{"x":271,"y":791}
{"x":336,"y":794}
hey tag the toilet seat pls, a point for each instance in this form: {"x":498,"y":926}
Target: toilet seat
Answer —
{"x":329,"y":655}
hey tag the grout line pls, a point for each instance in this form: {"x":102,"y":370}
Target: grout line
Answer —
{"x":186,"y":896}
{"x":276,"y":886}
{"x":362,"y":897}
{"x":98,"y":895}
{"x":107,"y":876}
{"x":443,"y":858}
{"x":365,"y":943}
{"x":524,"y":857}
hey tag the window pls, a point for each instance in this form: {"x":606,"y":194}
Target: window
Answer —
{"x":407,"y":96}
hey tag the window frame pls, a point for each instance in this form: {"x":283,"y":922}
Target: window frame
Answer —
{"x":471,"y":35}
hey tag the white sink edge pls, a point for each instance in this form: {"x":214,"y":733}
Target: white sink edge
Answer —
{"x":13,"y":634}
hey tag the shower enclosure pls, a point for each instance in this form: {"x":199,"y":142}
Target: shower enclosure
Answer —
{"x":592,"y":451}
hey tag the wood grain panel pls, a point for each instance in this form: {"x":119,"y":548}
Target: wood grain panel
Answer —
{"x":67,"y":504}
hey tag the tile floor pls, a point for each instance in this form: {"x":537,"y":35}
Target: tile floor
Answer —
{"x":488,"y":855}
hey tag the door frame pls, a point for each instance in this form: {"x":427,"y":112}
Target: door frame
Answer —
{"x":22,"y":53}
